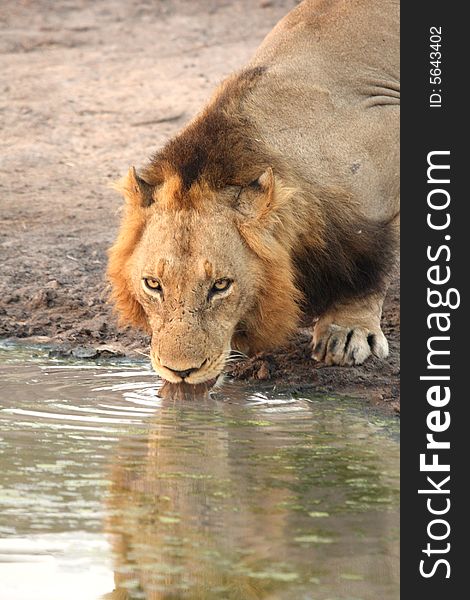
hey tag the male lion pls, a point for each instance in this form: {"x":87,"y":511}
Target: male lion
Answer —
{"x":279,"y":201}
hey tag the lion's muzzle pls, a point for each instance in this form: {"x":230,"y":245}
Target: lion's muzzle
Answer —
{"x":207,"y":371}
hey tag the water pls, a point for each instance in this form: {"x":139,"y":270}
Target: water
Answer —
{"x":109,"y":492}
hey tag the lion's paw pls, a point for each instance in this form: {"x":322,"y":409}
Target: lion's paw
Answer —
{"x":347,"y":346}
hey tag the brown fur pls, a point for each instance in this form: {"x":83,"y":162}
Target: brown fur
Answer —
{"x":130,"y":311}
{"x":214,"y":148}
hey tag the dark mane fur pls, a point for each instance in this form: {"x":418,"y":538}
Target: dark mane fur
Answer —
{"x":357,"y":257}
{"x":218,"y":146}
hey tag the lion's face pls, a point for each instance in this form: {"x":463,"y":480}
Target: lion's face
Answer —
{"x":195,"y":279}
{"x":204,"y":272}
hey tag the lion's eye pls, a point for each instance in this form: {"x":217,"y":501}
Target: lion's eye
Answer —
{"x":221,"y":285}
{"x":152,"y":284}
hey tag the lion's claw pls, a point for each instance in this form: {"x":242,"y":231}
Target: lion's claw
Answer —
{"x":347,"y":346}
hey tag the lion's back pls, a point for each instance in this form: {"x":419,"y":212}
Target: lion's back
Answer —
{"x":330,"y":100}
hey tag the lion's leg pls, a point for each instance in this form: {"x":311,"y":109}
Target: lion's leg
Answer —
{"x":350,"y":332}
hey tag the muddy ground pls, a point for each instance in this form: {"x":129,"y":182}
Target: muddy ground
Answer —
{"x":86,"y":89}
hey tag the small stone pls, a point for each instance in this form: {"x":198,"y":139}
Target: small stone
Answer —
{"x":60,"y":352}
{"x":43,"y":298}
{"x":108,"y":351}
{"x":85,"y":352}
{"x":263,"y":372}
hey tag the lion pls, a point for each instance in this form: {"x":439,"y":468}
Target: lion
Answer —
{"x":275,"y":206}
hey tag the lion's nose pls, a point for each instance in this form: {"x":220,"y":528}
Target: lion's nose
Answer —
{"x":183,"y":374}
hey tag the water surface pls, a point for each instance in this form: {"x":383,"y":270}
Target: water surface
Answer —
{"x":109,"y":492}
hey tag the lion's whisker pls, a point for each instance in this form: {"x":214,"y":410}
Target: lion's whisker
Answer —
{"x":238,"y":354}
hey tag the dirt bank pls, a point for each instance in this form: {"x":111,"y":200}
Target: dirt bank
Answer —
{"x":86,"y":89}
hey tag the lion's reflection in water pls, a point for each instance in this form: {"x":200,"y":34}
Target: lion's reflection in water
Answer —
{"x":179,"y":527}
{"x":224,"y":500}
{"x":184,"y":391}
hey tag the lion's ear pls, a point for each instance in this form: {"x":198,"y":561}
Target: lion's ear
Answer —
{"x":264,"y":190}
{"x":263,"y":200}
{"x":255,"y":199}
{"x":135,"y":189}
